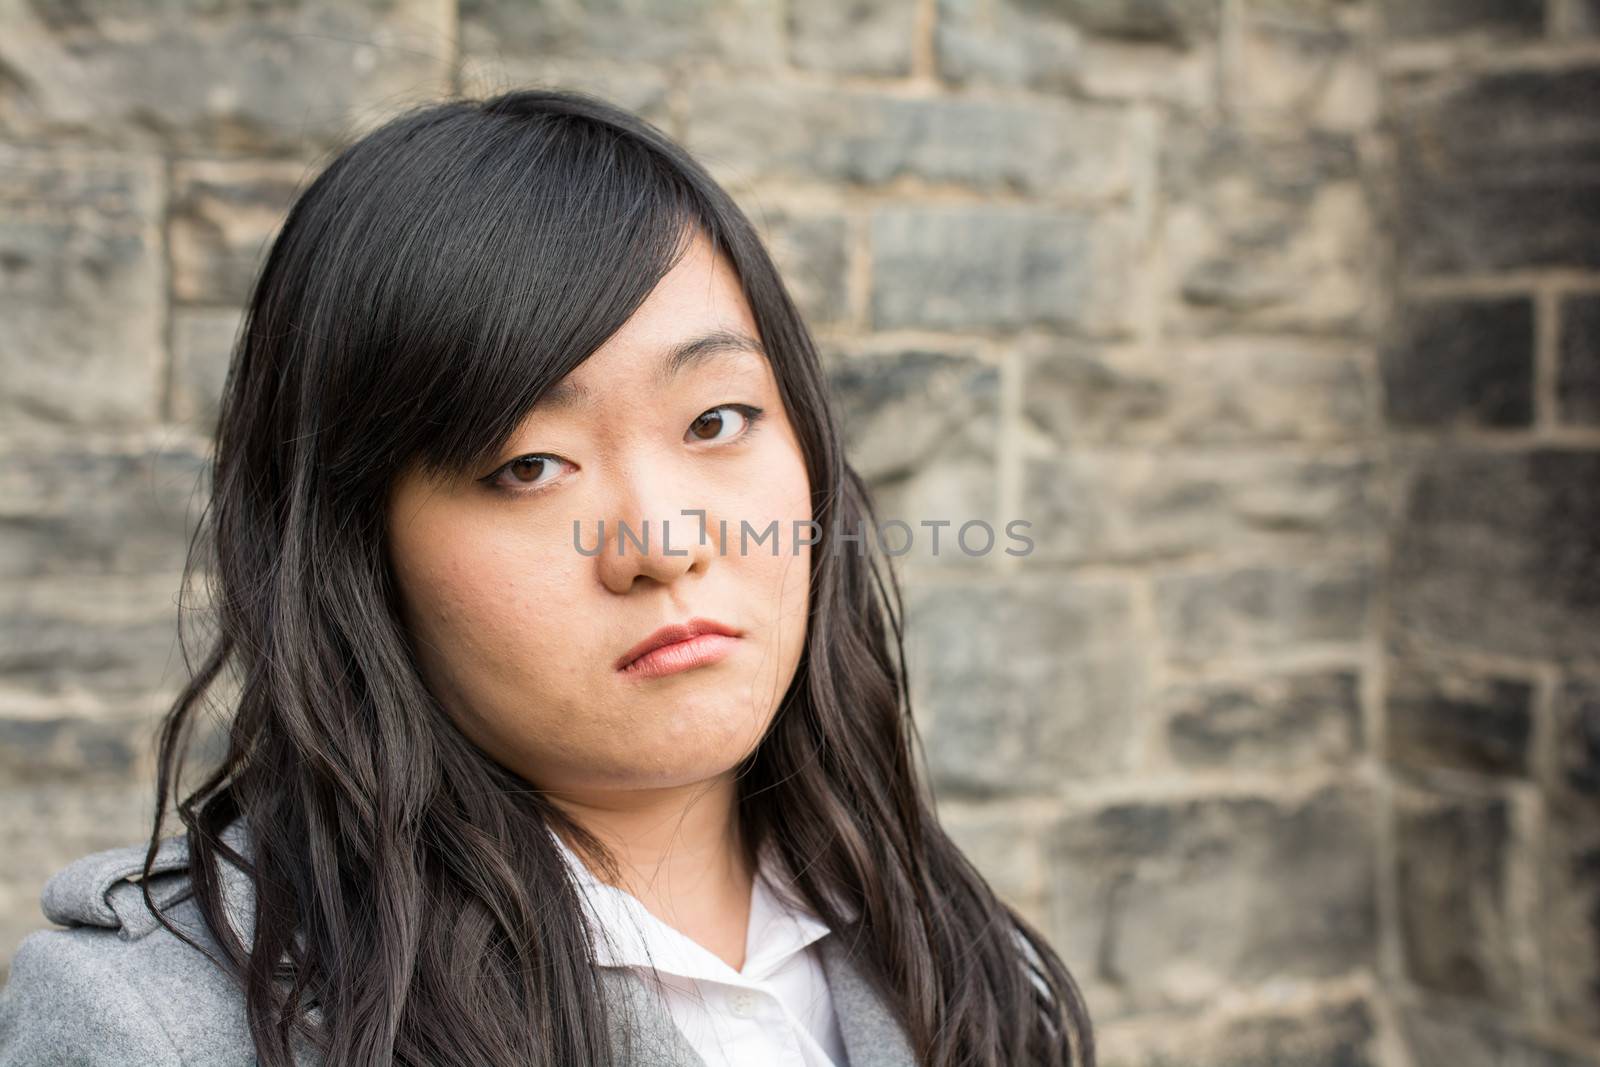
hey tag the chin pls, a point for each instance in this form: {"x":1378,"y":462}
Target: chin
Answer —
{"x":693,"y":751}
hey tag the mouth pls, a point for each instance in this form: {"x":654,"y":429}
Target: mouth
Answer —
{"x":679,"y":646}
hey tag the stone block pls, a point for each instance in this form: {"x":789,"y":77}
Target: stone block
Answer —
{"x":1341,"y":1032}
{"x":1500,"y":19}
{"x":1570,"y":911}
{"x":1459,"y":362}
{"x":958,"y":267}
{"x":1445,"y":715}
{"x":1461,"y":1036}
{"x":1118,"y":69}
{"x":1457,"y":854}
{"x":1024,"y":686}
{"x":1262,"y":610}
{"x":1007,"y":43}
{"x":1225,"y":390}
{"x":1494,"y":550}
{"x":736,"y":34}
{"x":263,"y":76}
{"x":91,"y":641}
{"x":1175,"y":22}
{"x":202,"y":347}
{"x":921,"y":427}
{"x":1494,"y":171}
{"x":222,"y":220}
{"x":1304,"y":63}
{"x":853,"y":36}
{"x":1165,"y":904}
{"x":1277,"y":722}
{"x":1577,"y":732}
{"x":82,"y":293}
{"x":1089,"y":506}
{"x":67,"y":747}
{"x":1578,"y":359}
{"x":746,"y":131}
{"x":72,"y":508}
{"x":1574,"y":18}
{"x":1266,"y":229}
{"x":812,"y":253}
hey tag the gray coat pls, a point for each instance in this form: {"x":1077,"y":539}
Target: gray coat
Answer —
{"x":116,"y":986}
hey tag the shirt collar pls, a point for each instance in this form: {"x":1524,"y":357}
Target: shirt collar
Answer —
{"x":627,"y":934}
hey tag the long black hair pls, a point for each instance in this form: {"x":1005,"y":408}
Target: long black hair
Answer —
{"x":432,"y":281}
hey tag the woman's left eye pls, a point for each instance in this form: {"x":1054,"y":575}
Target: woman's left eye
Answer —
{"x":709,"y":426}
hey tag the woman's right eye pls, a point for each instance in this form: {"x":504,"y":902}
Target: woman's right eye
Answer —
{"x":525,"y":472}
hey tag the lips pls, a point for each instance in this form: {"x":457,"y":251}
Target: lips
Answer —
{"x":672,"y":634}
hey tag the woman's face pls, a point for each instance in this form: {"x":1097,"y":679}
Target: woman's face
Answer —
{"x":518,"y":632}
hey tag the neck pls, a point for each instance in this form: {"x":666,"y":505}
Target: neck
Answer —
{"x":681,"y":852}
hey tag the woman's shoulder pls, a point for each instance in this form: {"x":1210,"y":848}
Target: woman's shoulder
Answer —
{"x":111,"y":984}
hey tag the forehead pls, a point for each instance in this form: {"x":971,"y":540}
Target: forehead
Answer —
{"x":696,"y":316}
{"x":721,"y":345}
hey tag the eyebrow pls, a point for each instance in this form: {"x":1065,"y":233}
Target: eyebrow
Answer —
{"x":674,"y":361}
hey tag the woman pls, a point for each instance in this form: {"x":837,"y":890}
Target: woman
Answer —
{"x":519,"y":712}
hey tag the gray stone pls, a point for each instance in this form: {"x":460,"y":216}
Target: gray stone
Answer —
{"x":1302,"y":63}
{"x":202,"y":346}
{"x":81,"y":287}
{"x":1282,"y":722}
{"x":1443,"y":715}
{"x":853,"y":36}
{"x":221,"y":222}
{"x":996,"y":266}
{"x":1263,"y":609}
{"x":1223,"y":390}
{"x":1178,"y":22}
{"x":1466,"y":1036}
{"x":74,"y":509}
{"x":745,"y":131}
{"x":269,"y":76}
{"x":91,"y":640}
{"x":1339,"y":1033}
{"x":1574,"y":18}
{"x":684,"y":35}
{"x":1578,"y":356}
{"x":1266,"y":228}
{"x":1570,"y":911}
{"x":1007,"y":43}
{"x":1494,"y":550}
{"x":71,"y":747}
{"x":1024,"y":685}
{"x":921,"y":428}
{"x":1434,"y":18}
{"x":1456,"y":854}
{"x":1167,"y":903}
{"x":1495,"y":171}
{"x":812,"y":253}
{"x":1577,"y":731}
{"x":1117,"y":506}
{"x":1459,"y":362}
{"x":1342,"y":1034}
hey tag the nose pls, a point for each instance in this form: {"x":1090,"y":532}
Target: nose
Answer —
{"x":651,"y":537}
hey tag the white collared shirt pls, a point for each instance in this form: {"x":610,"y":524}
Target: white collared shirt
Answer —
{"x":776,"y":1011}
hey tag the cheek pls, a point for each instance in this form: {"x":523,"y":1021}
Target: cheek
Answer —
{"x":488,"y":621}
{"x":778,"y":586}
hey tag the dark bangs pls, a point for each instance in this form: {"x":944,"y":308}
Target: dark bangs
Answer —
{"x":451,"y":269}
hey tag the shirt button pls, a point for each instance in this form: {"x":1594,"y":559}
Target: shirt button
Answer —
{"x":742,"y":1003}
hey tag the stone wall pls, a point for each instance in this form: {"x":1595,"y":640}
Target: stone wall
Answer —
{"x":1278,"y":319}
{"x":1491,"y":660}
